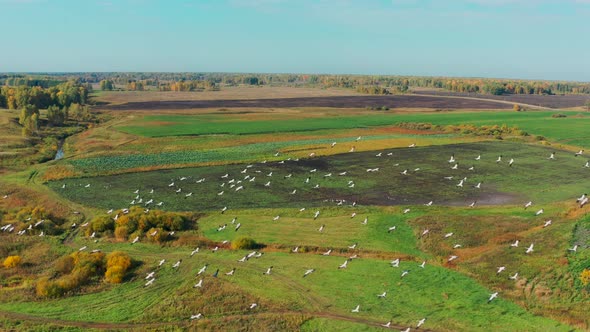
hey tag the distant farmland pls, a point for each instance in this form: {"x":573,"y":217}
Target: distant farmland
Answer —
{"x":362,"y":101}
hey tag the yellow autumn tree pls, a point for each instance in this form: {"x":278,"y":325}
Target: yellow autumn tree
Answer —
{"x":12,"y":262}
{"x":585,"y":277}
{"x":117,"y":264}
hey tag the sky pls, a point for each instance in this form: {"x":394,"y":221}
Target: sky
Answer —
{"x":529,"y":39}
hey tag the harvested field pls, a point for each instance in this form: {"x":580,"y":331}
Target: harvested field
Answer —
{"x":397,"y":101}
{"x":556,"y":101}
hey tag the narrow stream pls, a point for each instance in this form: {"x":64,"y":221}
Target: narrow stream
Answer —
{"x":60,"y":151}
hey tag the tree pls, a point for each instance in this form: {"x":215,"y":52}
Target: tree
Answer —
{"x":106,"y":85}
{"x":516,"y":108}
{"x":587,"y":104}
{"x":12,"y":261}
{"x":79,"y":112}
{"x":56,"y":116}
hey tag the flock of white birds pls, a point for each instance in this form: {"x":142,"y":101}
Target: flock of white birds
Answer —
{"x":236,"y":183}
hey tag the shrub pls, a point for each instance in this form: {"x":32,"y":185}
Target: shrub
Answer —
{"x":517,"y":108}
{"x":64,"y":264}
{"x":12,"y":262}
{"x":244,"y":243}
{"x":559,"y":115}
{"x":47,"y":288}
{"x":585,"y":277}
{"x":118,"y":263}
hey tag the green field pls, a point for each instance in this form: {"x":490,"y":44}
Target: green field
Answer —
{"x":569,"y":130}
{"x":195,"y":165}
{"x":533,"y":177}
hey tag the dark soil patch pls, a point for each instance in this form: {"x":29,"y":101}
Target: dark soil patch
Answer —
{"x":406,"y":101}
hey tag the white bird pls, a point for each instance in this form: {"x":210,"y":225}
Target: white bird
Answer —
{"x":514,"y":277}
{"x":253,"y":305}
{"x":539,"y":212}
{"x":294,"y":191}
{"x":448,"y":235}
{"x":333,"y":144}
{"x":405,"y":172}
{"x":352,"y":246}
{"x":83,"y":248}
{"x":135,"y":240}
{"x":460,"y":184}
{"x":478,"y":185}
{"x":224,"y":209}
{"x":391,"y":229}
{"x":552,"y":156}
{"x":574,"y":248}
{"x":343,"y":265}
{"x":452,"y":258}
{"x":268,"y":271}
{"x":472,"y":204}
{"x":511,"y":162}
{"x":162,"y":262}
{"x":457,"y":246}
{"x":231,"y":273}
{"x":452,"y":160}
{"x":87,"y":186}
{"x":382,"y":295}
{"x":492,"y":296}
{"x":499,"y":159}
{"x":529,"y":249}
{"x":395,"y":262}
{"x":406,"y":211}
{"x":500,"y":269}
{"x":316,"y":215}
{"x":421,"y":322}
{"x":515,"y":244}
{"x":321,"y":229}
{"x":357,"y":309}
{"x":220,"y":193}
{"x":423,"y":264}
{"x":587,"y":164}
{"x":171,"y":184}
{"x":478,"y":157}
{"x":429,"y":203}
{"x":296,"y":249}
{"x":413,"y":145}
{"x":547,"y":223}
{"x":194,"y":251}
{"x":426,"y":231}
{"x":327,"y":253}
{"x":456,"y":166}
{"x":203,"y":269}
{"x":308,"y":272}
{"x":387,"y":325}
{"x":177,"y":264}
{"x":581,"y":198}
{"x":527,"y":205}
{"x":199,"y":284}
{"x":579,"y":153}
{"x":151,"y":281}
{"x":276,"y":218}
{"x":404,"y":273}
{"x":197,"y":316}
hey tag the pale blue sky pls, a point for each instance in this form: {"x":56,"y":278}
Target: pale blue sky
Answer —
{"x":545,"y":39}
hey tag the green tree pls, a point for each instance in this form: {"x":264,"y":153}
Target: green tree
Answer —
{"x":106,"y":85}
{"x":79,"y":112}
{"x":26,"y":112}
{"x":56,"y":116}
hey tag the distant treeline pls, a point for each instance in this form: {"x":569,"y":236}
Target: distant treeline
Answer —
{"x":371,"y":84}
